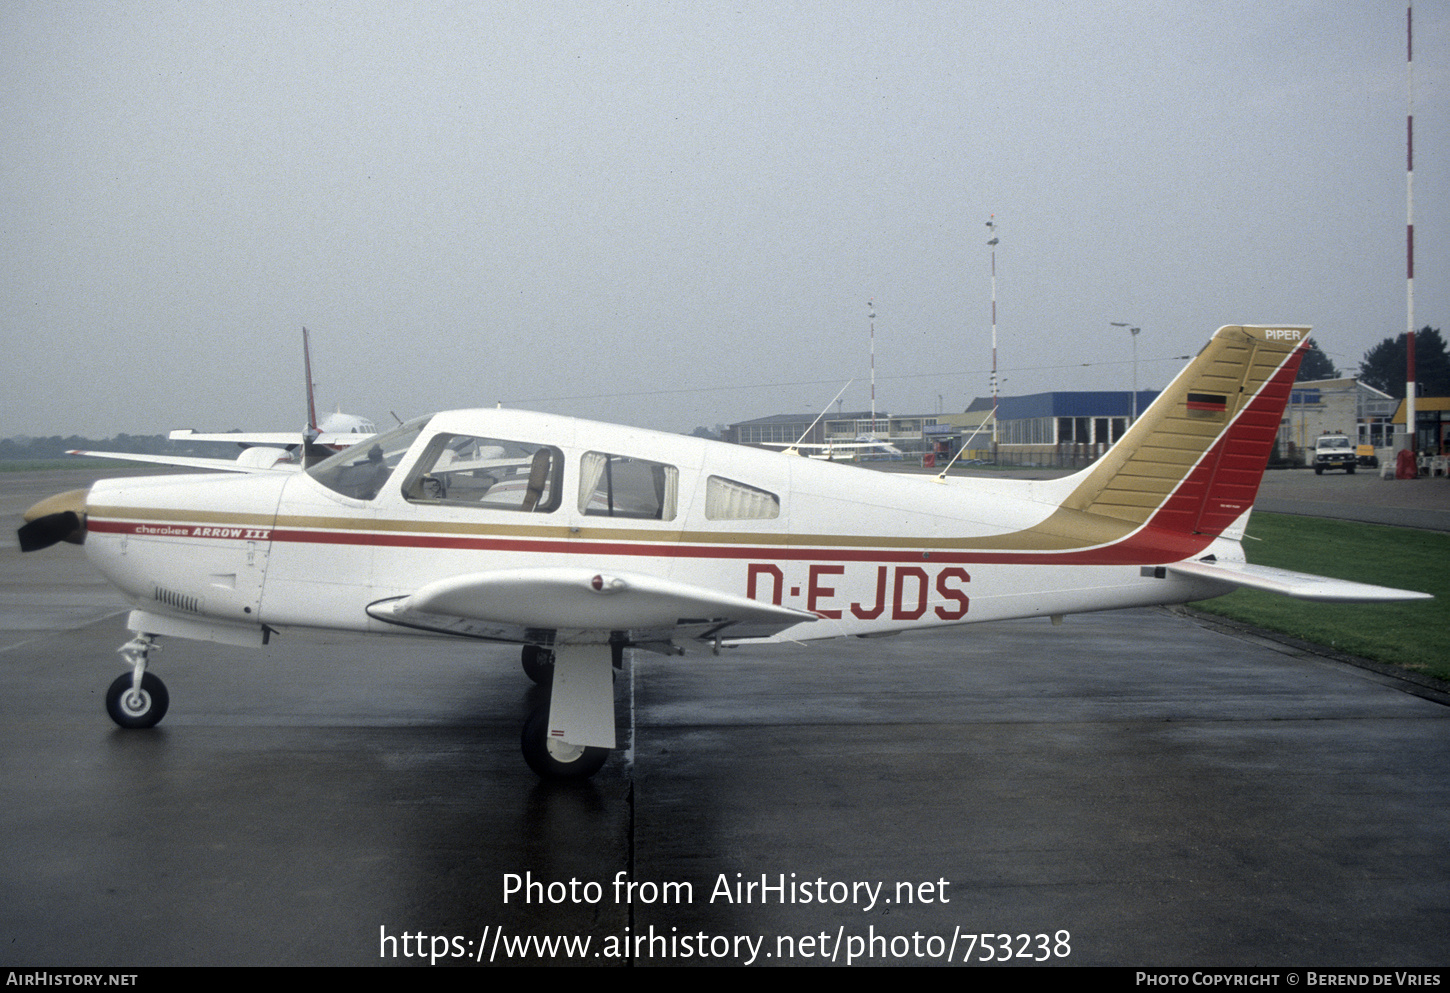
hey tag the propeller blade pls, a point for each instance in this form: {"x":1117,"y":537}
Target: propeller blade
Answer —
{"x":46,"y":531}
{"x":58,"y":518}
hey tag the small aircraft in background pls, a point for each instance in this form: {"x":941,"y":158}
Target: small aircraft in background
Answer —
{"x":576,"y":540}
{"x":266,"y":451}
{"x":862,"y":449}
{"x":865,"y":446}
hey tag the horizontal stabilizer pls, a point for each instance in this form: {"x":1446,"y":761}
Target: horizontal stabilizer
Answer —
{"x":1300,"y":585}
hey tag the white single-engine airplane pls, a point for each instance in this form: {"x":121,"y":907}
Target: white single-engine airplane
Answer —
{"x":576,"y":540}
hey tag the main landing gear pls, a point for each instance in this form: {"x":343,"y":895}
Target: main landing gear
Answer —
{"x":538,"y":664}
{"x":137,"y":699}
{"x":554,"y":759}
{"x":580,"y":705}
{"x":571,"y":735}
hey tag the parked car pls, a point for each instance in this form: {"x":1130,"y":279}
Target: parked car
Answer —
{"x":1333,"y":451}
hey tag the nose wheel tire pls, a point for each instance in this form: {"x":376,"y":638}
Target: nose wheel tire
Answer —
{"x":141,"y":708}
{"x":553,"y":759}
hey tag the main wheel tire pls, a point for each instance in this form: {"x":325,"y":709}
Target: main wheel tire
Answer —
{"x":538,"y":664}
{"x":1350,"y":470}
{"x":143,"y":709}
{"x":554,"y":759}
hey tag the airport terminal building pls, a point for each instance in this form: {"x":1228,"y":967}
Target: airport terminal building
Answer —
{"x":1065,"y":428}
{"x":908,"y":433}
{"x":1336,"y":406}
{"x":1072,"y":428}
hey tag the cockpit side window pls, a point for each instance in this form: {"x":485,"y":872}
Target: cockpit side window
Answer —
{"x":618,"y":486}
{"x":360,"y":471}
{"x":468,"y":471}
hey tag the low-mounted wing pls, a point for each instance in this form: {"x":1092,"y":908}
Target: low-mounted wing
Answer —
{"x":250,"y":460}
{"x":515,"y":604}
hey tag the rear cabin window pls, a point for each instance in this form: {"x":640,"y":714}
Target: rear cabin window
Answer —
{"x":618,"y":486}
{"x":727,"y":500}
{"x":467,"y":471}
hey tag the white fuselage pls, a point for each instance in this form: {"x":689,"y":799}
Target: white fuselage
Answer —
{"x":865,"y":552}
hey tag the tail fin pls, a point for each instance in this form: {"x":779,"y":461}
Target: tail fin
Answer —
{"x":312,"y":453}
{"x":1193,"y":462}
{"x":307,"y":374}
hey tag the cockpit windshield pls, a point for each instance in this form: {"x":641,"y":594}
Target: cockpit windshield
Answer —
{"x":360,"y":471}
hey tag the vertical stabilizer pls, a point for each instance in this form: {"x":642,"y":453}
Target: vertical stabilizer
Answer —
{"x":307,"y":372}
{"x":1193,"y":462}
{"x":312,"y":453}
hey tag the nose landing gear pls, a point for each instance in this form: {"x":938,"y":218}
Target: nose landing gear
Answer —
{"x":137,"y":699}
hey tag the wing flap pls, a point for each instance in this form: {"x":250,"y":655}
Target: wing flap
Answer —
{"x":1300,"y":585}
{"x":583,"y":600}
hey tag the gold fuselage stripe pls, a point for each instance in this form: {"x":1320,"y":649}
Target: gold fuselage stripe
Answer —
{"x":1062,"y":529}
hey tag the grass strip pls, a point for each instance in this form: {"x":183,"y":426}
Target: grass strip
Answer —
{"x":1413,"y":635}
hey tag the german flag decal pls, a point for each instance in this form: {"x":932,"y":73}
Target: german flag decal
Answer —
{"x":1207,"y":403}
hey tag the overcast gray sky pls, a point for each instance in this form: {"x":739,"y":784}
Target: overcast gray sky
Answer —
{"x":672,"y":215}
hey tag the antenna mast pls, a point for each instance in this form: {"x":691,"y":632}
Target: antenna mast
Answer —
{"x":992,"y":229}
{"x":1410,"y":230}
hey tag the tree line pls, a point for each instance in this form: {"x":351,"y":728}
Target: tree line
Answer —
{"x":55,"y":447}
{"x":1383,"y":366}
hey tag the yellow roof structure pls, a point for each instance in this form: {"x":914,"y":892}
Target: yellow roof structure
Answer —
{"x":1422,"y":404}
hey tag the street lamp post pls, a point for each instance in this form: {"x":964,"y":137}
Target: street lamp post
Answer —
{"x":1134,"y":332}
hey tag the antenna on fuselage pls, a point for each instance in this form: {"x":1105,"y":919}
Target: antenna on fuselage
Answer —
{"x":795,"y":449}
{"x":941,"y":477}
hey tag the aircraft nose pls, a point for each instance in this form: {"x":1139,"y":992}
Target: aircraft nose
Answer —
{"x":57,"y":518}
